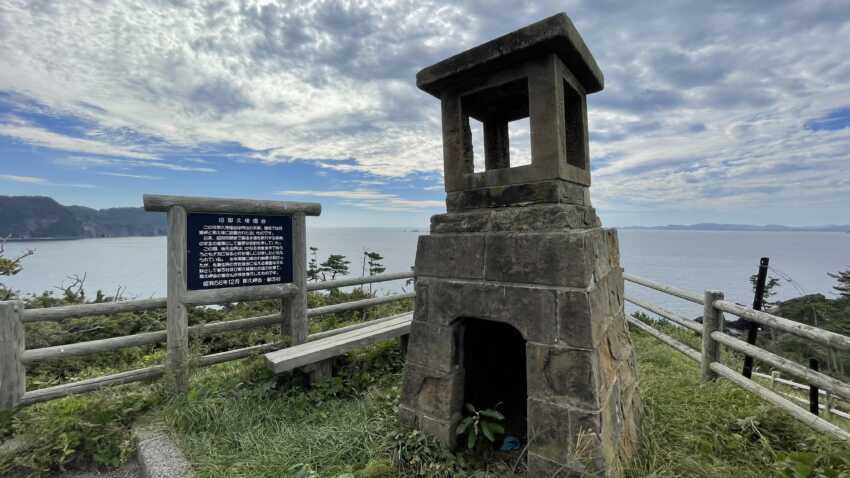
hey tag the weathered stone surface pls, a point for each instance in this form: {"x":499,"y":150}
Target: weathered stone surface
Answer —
{"x":567,"y":436}
{"x":432,"y":392}
{"x":560,"y":259}
{"x":433,"y":347}
{"x":555,"y":34}
{"x":523,"y":246}
{"x":583,"y":317}
{"x":535,"y":218}
{"x":407,"y":416}
{"x":422,"y":287}
{"x":630,"y":408}
{"x":612,"y":429}
{"x":542,"y":218}
{"x":475,"y":221}
{"x":457,"y":256}
{"x":553,"y":191}
{"x":528,"y":309}
{"x":613,"y":285}
{"x":442,"y":430}
{"x":560,"y":375}
{"x":549,"y":431}
{"x":450,"y":300}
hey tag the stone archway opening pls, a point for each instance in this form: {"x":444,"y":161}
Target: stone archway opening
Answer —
{"x":494,"y":365}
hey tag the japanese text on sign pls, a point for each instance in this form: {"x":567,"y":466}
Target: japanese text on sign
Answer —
{"x":226,"y":250}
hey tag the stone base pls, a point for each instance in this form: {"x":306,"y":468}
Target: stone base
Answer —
{"x":562,"y":289}
{"x":555,"y":191}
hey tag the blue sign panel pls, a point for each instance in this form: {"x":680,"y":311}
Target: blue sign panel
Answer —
{"x":237,"y":250}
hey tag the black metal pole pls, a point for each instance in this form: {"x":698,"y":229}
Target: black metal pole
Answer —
{"x":814,"y":393}
{"x":758,"y":302}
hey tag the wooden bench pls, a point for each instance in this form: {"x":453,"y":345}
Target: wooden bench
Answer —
{"x":316,"y":351}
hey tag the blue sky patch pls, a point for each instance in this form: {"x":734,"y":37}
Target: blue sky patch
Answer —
{"x":834,"y":121}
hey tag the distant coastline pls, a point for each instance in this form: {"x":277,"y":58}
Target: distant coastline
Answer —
{"x":74,"y":238}
{"x":743,"y":228}
{"x":36,"y":218}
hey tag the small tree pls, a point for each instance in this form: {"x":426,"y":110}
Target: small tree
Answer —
{"x":770,"y":285}
{"x":313,"y":265}
{"x":843,"y":287}
{"x":375,"y":265}
{"x":10,"y":267}
{"x":335,"y":265}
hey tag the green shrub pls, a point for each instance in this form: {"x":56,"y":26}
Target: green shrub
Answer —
{"x":378,"y":468}
{"x":77,"y":431}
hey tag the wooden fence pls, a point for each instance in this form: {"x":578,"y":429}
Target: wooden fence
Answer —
{"x":713,"y":337}
{"x":14,"y":357}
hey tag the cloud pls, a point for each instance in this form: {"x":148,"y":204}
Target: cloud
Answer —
{"x":23,"y":179}
{"x":48,"y":139}
{"x":132,"y":176}
{"x":85,"y":162}
{"x":369,"y":199}
{"x":750,"y":94}
{"x":40,"y":181}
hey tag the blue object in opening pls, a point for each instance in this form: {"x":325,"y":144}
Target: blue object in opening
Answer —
{"x":510,"y":443}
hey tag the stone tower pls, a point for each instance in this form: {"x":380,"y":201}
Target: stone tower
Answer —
{"x":519,"y":291}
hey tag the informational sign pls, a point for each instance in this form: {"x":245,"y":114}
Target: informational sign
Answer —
{"x":237,"y":250}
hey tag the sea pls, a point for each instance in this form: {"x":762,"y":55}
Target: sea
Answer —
{"x":691,"y":260}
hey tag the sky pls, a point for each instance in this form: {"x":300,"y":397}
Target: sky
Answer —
{"x":731,"y":112}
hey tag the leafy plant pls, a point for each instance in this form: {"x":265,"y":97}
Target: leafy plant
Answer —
{"x":486,"y":423}
{"x":809,"y":464}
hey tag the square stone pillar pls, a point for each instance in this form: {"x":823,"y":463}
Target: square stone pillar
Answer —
{"x":522,"y":246}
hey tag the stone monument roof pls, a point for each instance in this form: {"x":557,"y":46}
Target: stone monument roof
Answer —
{"x":555,"y":34}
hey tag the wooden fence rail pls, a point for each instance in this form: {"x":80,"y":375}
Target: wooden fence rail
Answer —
{"x":713,"y":338}
{"x":14,"y":357}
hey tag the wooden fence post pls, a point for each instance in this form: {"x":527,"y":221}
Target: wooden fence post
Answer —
{"x":712,"y":320}
{"x":13,"y":377}
{"x":296,"y":324}
{"x":177,"y":325}
{"x":294,"y":308}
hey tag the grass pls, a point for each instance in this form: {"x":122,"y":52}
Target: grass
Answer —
{"x":242,"y":423}
{"x":239,"y":421}
{"x":718,"y":429}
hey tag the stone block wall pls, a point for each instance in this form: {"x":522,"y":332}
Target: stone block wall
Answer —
{"x":552,"y":273}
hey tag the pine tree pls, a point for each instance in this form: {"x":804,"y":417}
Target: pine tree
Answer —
{"x":10,"y":267}
{"x":843,"y":287}
{"x":375,"y":265}
{"x":769,"y":285}
{"x":313,"y":265}
{"x":335,"y":265}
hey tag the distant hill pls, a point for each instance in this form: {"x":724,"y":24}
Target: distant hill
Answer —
{"x":745,"y":227}
{"x":39,"y":217}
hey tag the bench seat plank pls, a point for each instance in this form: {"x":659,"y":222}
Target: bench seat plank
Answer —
{"x":307,"y":353}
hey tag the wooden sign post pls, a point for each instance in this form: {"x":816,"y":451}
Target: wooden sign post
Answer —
{"x":226,"y":250}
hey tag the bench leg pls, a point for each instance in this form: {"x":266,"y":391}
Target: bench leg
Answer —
{"x":403,"y":340}
{"x":319,"y":371}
